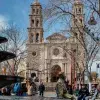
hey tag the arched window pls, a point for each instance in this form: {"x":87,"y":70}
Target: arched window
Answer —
{"x":37,"y":37}
{"x":33,"y":11}
{"x":32,"y":21}
{"x":37,"y":23}
{"x":79,"y":10}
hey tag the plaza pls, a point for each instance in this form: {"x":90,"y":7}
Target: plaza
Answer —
{"x":63,"y":61}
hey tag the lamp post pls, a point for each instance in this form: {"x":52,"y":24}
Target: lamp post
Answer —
{"x":99,"y":7}
{"x":92,"y":20}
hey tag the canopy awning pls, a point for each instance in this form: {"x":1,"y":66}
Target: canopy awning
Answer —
{"x":3,"y":39}
{"x":4,"y":55}
{"x":6,"y":80}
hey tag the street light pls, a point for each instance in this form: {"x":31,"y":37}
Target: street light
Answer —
{"x":92,"y":20}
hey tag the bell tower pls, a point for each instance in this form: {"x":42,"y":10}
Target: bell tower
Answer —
{"x":78,"y":35}
{"x":35,"y":39}
{"x":78,"y":18}
{"x":35,"y":31}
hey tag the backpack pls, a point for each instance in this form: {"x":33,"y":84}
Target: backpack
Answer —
{"x":17,"y":87}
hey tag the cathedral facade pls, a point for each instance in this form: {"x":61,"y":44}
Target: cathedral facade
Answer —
{"x":58,"y":53}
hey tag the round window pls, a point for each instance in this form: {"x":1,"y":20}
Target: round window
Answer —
{"x":34,"y":53}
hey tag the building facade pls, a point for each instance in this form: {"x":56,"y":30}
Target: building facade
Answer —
{"x":58,"y":53}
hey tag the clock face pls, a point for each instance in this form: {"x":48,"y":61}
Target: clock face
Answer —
{"x":56,"y":51}
{"x":34,"y":53}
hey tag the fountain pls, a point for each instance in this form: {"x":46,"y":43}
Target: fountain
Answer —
{"x":7,"y":79}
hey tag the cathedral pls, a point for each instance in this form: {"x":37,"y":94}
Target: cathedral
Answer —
{"x":58,"y":53}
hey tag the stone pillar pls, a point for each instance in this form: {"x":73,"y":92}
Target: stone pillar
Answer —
{"x":63,"y":67}
{"x":29,"y":73}
{"x":66,"y":68}
{"x":48,"y":72}
{"x":67,"y":75}
{"x":34,"y":37}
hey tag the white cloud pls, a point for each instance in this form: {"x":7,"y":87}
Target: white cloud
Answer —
{"x":3,"y":22}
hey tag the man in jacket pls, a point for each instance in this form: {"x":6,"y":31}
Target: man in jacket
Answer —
{"x":83,"y":93}
{"x":41,"y":89}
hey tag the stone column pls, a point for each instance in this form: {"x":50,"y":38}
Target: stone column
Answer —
{"x":63,"y":67}
{"x":48,"y":72}
{"x":34,"y":36}
{"x":66,"y":68}
{"x":66,"y":72}
{"x":29,"y":73}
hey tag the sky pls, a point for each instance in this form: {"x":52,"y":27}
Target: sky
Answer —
{"x":17,"y":11}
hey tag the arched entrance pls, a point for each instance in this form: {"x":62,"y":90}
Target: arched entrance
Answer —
{"x":54,"y":73}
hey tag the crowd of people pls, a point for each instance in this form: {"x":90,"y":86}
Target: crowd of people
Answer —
{"x":64,"y":90}
{"x":28,"y":88}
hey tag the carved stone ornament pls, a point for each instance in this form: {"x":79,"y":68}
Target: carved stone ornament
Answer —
{"x":56,"y":51}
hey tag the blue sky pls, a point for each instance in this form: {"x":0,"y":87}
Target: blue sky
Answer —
{"x":16,"y":11}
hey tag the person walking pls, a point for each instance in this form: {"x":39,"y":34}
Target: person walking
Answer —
{"x":17,"y":88}
{"x":41,"y":89}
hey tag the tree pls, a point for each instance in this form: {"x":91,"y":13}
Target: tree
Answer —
{"x":60,"y":12}
{"x":94,"y":75}
{"x":16,"y":44}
